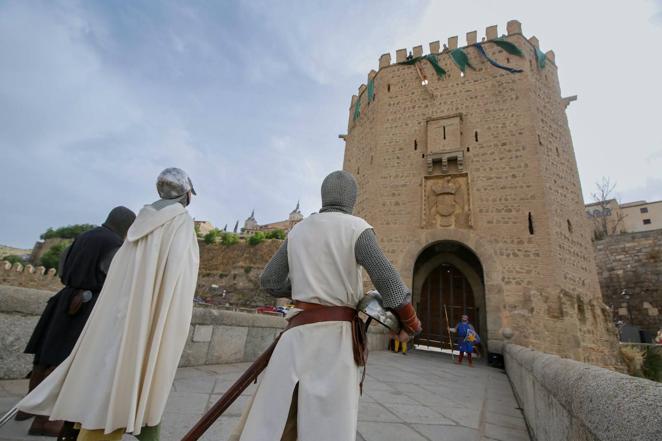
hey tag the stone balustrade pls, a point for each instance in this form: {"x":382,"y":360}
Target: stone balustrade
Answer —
{"x":567,"y":400}
{"x":215,"y":336}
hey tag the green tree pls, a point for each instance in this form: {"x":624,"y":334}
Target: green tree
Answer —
{"x":68,"y":232}
{"x":256,"y":238}
{"x":51,"y":258}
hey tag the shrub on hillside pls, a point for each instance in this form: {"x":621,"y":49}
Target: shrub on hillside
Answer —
{"x":256,"y":238}
{"x":212,"y":237}
{"x":652,"y":367}
{"x":13,"y":258}
{"x":68,"y":232}
{"x":229,"y":238}
{"x":51,"y":258}
{"x":276,"y":234}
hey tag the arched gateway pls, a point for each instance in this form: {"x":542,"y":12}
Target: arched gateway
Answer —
{"x":448,"y":282}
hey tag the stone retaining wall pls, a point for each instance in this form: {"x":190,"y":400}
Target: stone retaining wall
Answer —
{"x":215,"y":336}
{"x":567,"y":400}
{"x":632,"y":262}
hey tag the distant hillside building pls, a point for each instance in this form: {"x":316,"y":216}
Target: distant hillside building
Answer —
{"x":251,"y":225}
{"x":609,"y":217}
{"x":203,"y":227}
{"x":642,"y":216}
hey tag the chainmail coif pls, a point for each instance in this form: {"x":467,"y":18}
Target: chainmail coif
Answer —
{"x":339,"y":191}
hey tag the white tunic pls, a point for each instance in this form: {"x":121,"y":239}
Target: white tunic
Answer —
{"x":319,"y":356}
{"x":121,"y":370}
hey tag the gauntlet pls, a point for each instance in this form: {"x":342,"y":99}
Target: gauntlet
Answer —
{"x":408,"y":319}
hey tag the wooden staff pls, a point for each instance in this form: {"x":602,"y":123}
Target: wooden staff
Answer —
{"x":450,"y":340}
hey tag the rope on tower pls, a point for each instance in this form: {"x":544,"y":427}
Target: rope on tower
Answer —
{"x":493,"y":62}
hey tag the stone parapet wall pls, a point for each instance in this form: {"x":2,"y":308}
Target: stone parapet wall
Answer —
{"x":20,"y":309}
{"x":215,"y":336}
{"x":218,"y":337}
{"x":632,"y":262}
{"x":567,"y":400}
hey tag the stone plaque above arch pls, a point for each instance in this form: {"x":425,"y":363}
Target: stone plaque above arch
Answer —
{"x":446,"y":202}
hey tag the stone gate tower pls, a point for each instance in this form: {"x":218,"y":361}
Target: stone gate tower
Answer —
{"x":467,"y":172}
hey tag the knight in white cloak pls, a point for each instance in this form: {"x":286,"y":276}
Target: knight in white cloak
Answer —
{"x":310,"y":389}
{"x":119,"y":374}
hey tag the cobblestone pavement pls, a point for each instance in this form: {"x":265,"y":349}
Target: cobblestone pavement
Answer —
{"x":419,"y":397}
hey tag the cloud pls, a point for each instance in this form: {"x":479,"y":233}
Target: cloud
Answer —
{"x":327,"y":40}
{"x":656,"y":18}
{"x":249,"y":97}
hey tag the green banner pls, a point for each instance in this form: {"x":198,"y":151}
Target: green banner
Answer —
{"x":461,"y":59}
{"x":371,"y":90}
{"x":542,"y":58}
{"x":435,"y":65}
{"x":432,"y":59}
{"x":357,"y":108}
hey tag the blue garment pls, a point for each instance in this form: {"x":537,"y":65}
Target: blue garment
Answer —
{"x":464,"y":346}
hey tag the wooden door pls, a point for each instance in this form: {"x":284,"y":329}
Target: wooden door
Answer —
{"x":445,"y":287}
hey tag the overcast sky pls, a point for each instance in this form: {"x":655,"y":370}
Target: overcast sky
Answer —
{"x":97,"y":97}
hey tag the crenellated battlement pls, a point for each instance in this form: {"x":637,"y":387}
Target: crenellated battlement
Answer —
{"x":29,"y":276}
{"x":437,"y":50}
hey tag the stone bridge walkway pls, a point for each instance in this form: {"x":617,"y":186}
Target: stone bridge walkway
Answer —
{"x":418,"y":397}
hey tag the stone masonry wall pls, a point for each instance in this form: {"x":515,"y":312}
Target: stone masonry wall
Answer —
{"x":517,"y":198}
{"x":235,"y":269}
{"x":632,"y":262}
{"x":215,"y":336}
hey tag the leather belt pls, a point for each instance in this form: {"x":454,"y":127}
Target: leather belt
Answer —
{"x":316,"y":313}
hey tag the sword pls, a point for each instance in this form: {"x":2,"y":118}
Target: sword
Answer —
{"x":8,"y":416}
{"x":231,"y":394}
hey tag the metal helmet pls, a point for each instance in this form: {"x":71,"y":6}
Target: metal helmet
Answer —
{"x":173,"y":182}
{"x":373,"y":306}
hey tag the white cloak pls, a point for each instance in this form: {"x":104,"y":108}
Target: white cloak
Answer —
{"x":121,"y":370}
